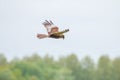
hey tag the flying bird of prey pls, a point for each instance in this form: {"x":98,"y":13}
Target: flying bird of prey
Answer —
{"x":53,"y":31}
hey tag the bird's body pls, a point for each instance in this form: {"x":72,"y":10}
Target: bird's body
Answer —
{"x":53,"y":31}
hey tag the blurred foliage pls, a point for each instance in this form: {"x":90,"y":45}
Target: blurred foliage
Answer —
{"x":70,"y":67}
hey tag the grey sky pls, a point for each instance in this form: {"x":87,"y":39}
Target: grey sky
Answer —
{"x":94,"y":27}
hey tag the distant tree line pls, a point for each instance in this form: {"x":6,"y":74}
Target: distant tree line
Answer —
{"x":36,"y":67}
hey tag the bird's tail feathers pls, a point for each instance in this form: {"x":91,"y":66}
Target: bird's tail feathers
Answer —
{"x":41,"y":36}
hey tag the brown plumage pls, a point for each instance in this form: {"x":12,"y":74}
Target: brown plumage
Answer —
{"x":53,"y":31}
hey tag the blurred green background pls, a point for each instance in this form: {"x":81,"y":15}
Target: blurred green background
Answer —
{"x":68,"y":67}
{"x":94,"y":30}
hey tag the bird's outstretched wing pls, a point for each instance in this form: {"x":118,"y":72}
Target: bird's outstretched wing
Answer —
{"x":61,"y":32}
{"x":51,"y":28}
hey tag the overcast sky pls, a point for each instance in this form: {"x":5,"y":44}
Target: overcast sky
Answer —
{"x":94,"y":27}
